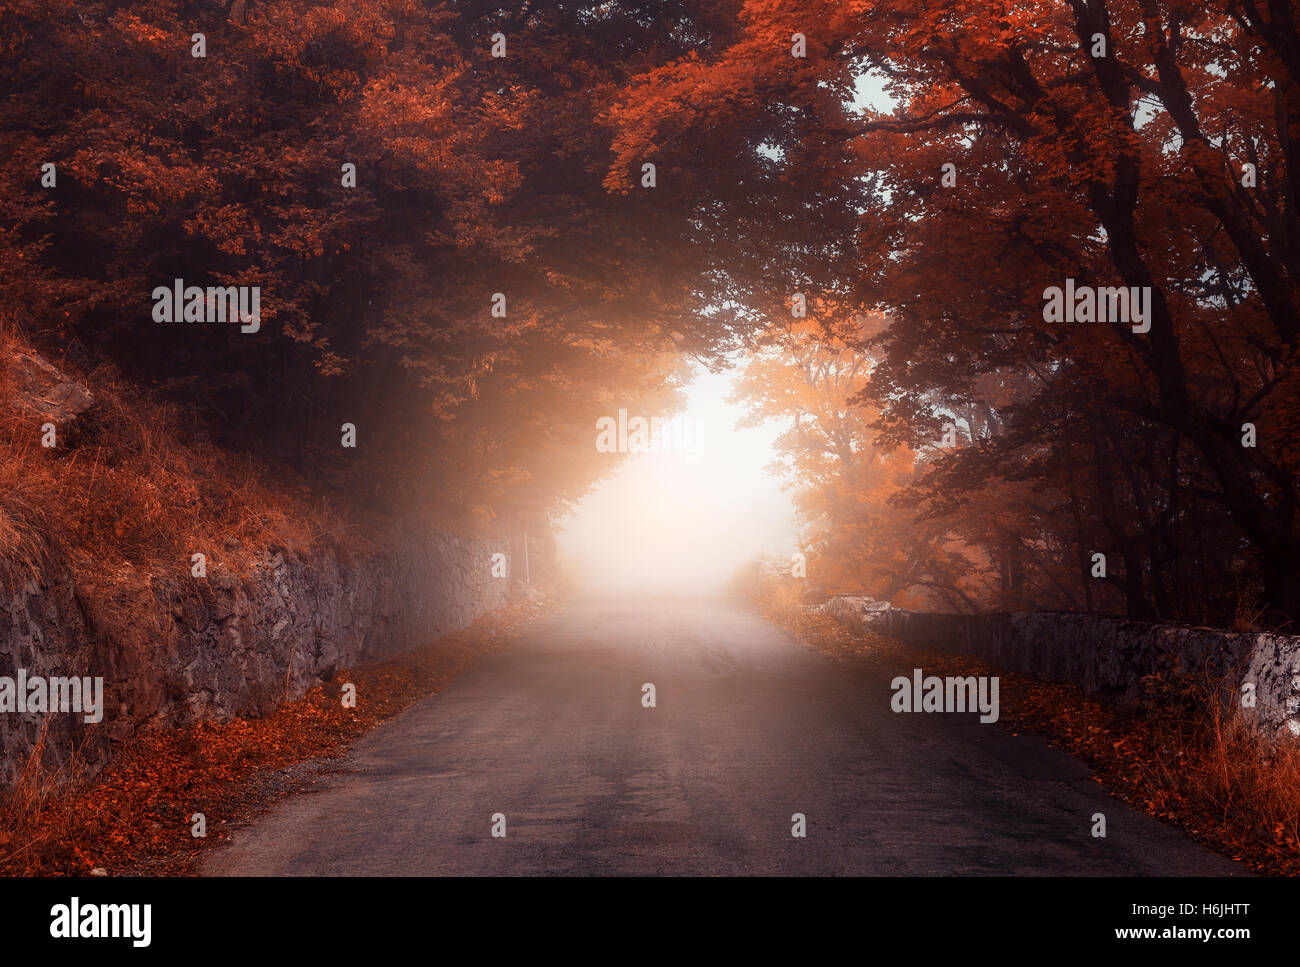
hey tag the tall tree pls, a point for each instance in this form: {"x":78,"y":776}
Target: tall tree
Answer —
{"x":1138,"y":143}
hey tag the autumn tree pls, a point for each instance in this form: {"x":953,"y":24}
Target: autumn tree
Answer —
{"x":805,"y":377}
{"x":1143,"y":144}
{"x":556,"y":204}
{"x":454,"y":255}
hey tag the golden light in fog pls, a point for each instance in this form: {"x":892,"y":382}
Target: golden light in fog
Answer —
{"x":685,"y":519}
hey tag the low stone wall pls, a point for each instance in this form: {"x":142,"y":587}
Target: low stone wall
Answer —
{"x":1107,"y":656}
{"x":212,"y":648}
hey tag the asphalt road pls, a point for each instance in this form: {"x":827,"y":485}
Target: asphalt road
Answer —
{"x":750,"y":727}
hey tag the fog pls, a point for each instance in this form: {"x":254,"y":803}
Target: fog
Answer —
{"x":678,"y":521}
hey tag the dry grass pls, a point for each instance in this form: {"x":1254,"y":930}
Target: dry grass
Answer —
{"x":135,"y":489}
{"x":27,"y":805}
{"x":1213,"y":765}
{"x":132,"y":490}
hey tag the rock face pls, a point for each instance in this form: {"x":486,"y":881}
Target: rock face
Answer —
{"x":209,"y":649}
{"x":1106,"y":656}
{"x":44,"y":390}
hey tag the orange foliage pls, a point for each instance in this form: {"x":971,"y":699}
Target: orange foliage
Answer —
{"x":136,"y":814}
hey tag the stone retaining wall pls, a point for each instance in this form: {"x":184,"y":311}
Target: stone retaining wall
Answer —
{"x":1107,"y":656}
{"x":212,"y":648}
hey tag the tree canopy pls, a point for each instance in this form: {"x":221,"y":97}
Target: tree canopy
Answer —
{"x":646,"y":182}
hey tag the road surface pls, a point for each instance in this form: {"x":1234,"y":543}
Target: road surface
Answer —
{"x":749,"y":728}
